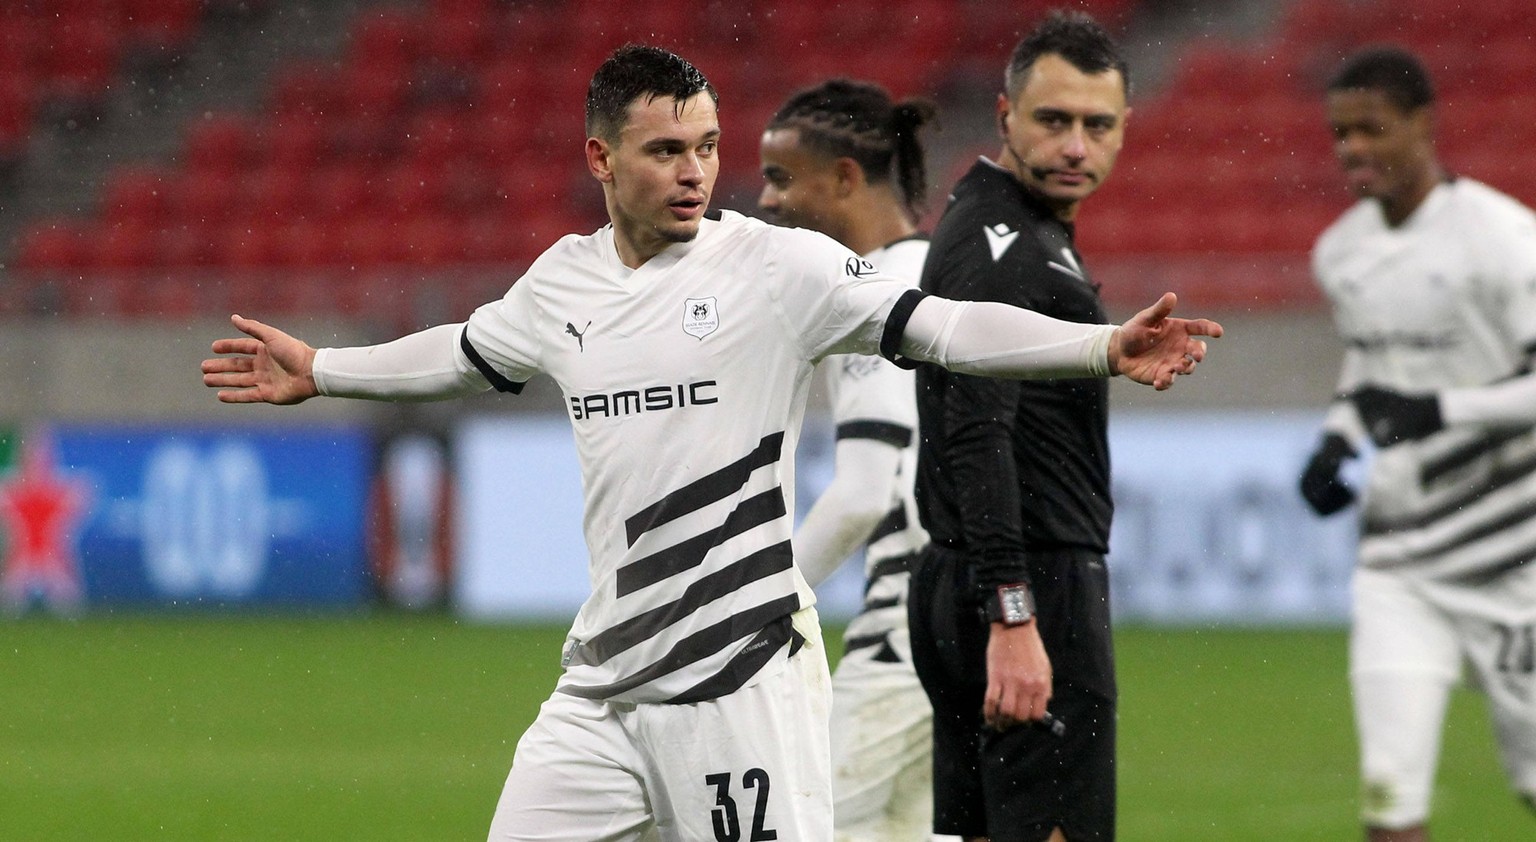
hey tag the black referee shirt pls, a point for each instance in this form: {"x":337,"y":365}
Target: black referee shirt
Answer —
{"x":1004,"y":466}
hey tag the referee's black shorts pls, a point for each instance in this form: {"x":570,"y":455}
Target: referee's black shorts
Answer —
{"x":1017,"y":785}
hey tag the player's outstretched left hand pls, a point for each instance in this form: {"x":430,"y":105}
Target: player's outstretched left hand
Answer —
{"x":269,"y":366}
{"x":1153,"y":347}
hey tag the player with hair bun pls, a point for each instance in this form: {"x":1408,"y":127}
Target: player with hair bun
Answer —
{"x":843,"y":159}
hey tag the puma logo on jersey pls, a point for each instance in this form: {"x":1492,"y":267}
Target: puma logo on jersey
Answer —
{"x":999,"y":238}
{"x":581,"y":344}
{"x":1071,"y":267}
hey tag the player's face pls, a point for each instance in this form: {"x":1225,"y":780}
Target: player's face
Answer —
{"x":659,"y":175}
{"x":799,"y":185}
{"x":1063,"y":131}
{"x":1384,"y":150}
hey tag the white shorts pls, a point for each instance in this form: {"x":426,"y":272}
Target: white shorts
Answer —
{"x":1411,"y":641}
{"x":752,"y":765}
{"x":882,"y":752}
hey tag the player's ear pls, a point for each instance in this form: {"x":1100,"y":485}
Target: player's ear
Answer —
{"x":850,"y":176}
{"x":1002,"y":115}
{"x":600,"y":159}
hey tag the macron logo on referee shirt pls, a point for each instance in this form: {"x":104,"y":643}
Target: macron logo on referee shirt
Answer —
{"x":999,"y":238}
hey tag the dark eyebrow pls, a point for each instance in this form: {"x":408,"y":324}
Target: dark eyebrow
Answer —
{"x":677,"y":142}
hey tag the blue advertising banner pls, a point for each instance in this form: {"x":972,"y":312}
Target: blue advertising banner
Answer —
{"x":166,"y":516}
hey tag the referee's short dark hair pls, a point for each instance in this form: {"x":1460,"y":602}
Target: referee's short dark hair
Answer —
{"x":1076,"y":37}
{"x":1392,"y":70}
{"x":634,"y":71}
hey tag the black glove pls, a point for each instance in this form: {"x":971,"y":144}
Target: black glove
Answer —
{"x":1391,"y":417}
{"x":1320,"y":483}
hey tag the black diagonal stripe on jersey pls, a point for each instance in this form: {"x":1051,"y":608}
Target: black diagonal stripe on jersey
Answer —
{"x":498,"y":381}
{"x":895,"y":435}
{"x":1505,"y":475}
{"x":746,"y":664}
{"x":1470,"y":452}
{"x":753,"y":511}
{"x":854,"y":644}
{"x":877,"y":604}
{"x":644,"y":626}
{"x":704,"y":490}
{"x":890,"y":566}
{"x":1486,"y":575}
{"x":1502,"y":523}
{"x":894,"y":521}
{"x":699,"y":645}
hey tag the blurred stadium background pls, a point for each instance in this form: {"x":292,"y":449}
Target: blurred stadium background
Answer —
{"x":332,"y":621}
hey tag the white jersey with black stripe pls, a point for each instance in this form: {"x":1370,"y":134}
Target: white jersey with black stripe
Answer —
{"x":872,"y":397}
{"x":685,"y":381}
{"x":1445,"y":300}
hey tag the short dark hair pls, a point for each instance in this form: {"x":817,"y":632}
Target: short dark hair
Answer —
{"x":844,"y":118}
{"x":1076,"y":37}
{"x":1392,"y":70}
{"x":634,"y":71}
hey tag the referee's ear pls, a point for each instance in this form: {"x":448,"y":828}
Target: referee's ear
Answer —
{"x":600,"y":159}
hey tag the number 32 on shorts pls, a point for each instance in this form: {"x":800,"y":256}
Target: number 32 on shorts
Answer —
{"x":727,"y":818}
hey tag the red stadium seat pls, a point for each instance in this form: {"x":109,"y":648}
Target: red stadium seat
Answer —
{"x":243,"y":244}
{"x":186,"y":245}
{"x":51,"y":246}
{"x":161,"y":25}
{"x":136,"y":195}
{"x":306,"y":244}
{"x":387,"y":36}
{"x":294,"y":141}
{"x":432,"y":240}
{"x":203,"y":197}
{"x":82,"y":57}
{"x":304,"y":89}
{"x":220,"y":142}
{"x":122,"y":247}
{"x":341,"y":190}
{"x":274,"y":194}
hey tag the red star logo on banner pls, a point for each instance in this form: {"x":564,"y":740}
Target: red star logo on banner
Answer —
{"x":40,"y":509}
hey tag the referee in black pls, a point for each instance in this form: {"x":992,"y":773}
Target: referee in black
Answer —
{"x":1009,"y":607}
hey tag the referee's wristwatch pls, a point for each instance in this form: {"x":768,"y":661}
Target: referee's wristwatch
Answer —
{"x":1011,"y":605}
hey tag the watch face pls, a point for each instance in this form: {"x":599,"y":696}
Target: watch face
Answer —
{"x":1015,"y":604}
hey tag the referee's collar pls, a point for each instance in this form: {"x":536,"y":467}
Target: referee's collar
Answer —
{"x":991,"y":172}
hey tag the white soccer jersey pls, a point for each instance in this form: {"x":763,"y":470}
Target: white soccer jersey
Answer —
{"x":1447,"y":299}
{"x":686,"y":382}
{"x":874,"y":398}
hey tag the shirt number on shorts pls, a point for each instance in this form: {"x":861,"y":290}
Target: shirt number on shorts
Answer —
{"x":1517,"y":649}
{"x":726,"y":820}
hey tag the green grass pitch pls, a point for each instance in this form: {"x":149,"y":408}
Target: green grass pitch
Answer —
{"x":386,"y":727}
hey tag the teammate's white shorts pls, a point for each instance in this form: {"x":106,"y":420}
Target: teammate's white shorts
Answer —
{"x":882,"y":752}
{"x":1411,"y":641}
{"x":752,"y":765}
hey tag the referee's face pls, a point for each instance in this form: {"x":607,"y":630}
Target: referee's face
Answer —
{"x":659,"y":174}
{"x":1063,"y":131}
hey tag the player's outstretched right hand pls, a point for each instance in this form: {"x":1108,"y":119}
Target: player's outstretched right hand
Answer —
{"x":1320,"y":483}
{"x":269,"y":366}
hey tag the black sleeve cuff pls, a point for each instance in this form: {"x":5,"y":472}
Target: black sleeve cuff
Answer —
{"x":896,"y":326}
{"x":498,"y":380}
{"x":896,"y":435}
{"x":994,"y":571}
